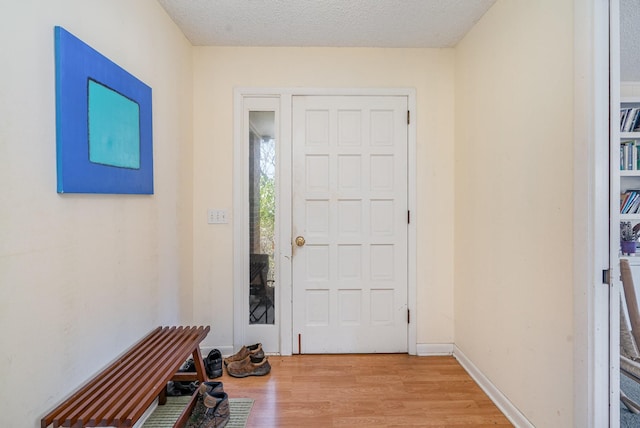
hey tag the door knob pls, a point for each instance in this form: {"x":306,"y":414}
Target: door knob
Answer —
{"x":300,"y":241}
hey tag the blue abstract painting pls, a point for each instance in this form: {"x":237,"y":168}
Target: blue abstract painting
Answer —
{"x":104,"y":141}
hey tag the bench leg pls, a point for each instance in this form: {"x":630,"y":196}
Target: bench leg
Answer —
{"x":199,"y":363}
{"x":162,"y":398}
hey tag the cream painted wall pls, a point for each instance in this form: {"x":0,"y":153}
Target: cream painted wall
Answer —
{"x":219,"y":70}
{"x":84,"y":276}
{"x":514,"y":196}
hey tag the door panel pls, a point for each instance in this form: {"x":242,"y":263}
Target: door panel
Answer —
{"x":350,"y":205}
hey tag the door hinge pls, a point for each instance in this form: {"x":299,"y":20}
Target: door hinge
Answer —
{"x":408,"y":316}
{"x":606,"y":276}
{"x":408,"y":217}
{"x":408,"y":117}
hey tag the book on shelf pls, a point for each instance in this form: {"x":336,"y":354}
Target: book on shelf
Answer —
{"x":629,"y":119}
{"x":633,"y":207}
{"x":629,"y":155}
{"x":627,"y":203}
{"x":630,"y":202}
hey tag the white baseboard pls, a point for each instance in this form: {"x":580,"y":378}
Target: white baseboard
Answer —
{"x":227,"y":351}
{"x":433,"y":349}
{"x":512,"y":413}
{"x":224,"y":350}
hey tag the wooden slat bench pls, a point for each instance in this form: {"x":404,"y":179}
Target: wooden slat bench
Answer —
{"x":120,"y":394}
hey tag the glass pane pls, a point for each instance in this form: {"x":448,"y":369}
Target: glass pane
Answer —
{"x":262,"y":215}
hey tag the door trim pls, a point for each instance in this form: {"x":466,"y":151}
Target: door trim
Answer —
{"x":284,"y":207}
{"x":268,"y":334}
{"x":591,"y":360}
{"x":614,"y":214}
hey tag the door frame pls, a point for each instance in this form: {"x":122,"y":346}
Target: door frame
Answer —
{"x":592,"y":365}
{"x":267,"y":334}
{"x":284,"y":218}
{"x":615,"y":282}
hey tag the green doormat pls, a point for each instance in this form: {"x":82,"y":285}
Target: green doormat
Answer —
{"x":165,"y":416}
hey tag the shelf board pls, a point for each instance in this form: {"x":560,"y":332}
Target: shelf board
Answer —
{"x":630,"y":173}
{"x":629,"y":216}
{"x":629,"y":136}
{"x":634,"y":259}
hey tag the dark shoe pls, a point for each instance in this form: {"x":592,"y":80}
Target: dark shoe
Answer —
{"x":213,"y":364}
{"x":172,"y":391}
{"x":184,"y":387}
{"x":250,"y":366}
{"x":188,"y":366}
{"x":211,"y":412}
{"x":244,"y":352}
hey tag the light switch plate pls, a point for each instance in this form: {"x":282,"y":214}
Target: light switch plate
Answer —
{"x":216,"y":216}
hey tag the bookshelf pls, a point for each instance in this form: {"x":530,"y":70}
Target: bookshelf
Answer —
{"x":630,"y":160}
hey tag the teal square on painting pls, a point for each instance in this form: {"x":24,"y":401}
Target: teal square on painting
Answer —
{"x":114,"y":128}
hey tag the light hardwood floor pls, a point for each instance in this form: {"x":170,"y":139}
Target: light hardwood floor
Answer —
{"x":389,"y":390}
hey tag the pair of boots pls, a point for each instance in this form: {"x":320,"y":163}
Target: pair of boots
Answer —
{"x":212,"y":408}
{"x":212,"y":365}
{"x":248,"y":361}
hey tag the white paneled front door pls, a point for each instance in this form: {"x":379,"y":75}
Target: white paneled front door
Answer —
{"x":349,"y":224}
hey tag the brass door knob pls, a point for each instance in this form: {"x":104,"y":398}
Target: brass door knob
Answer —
{"x":300,"y":241}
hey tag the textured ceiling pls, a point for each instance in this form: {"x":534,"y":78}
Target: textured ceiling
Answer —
{"x":337,"y":23}
{"x":630,"y":40}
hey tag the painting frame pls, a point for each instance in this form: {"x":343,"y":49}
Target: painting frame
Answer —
{"x":88,"y":156}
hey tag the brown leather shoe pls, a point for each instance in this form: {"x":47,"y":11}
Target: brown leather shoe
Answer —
{"x":254,"y":350}
{"x":210,"y":387}
{"x":211,"y":410}
{"x":250,"y":366}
